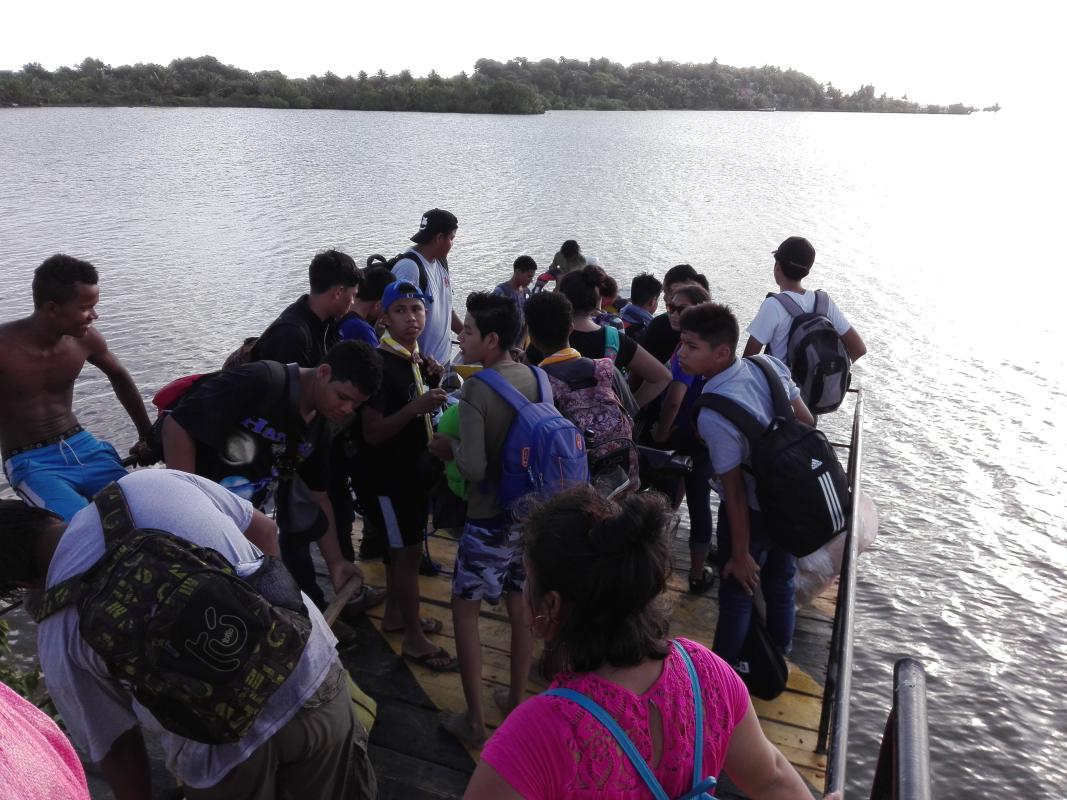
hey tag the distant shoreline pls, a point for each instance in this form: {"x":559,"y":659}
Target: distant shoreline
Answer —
{"x":518,"y":86}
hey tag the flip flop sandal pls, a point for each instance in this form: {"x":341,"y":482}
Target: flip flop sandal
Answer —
{"x":427,"y":660}
{"x":502,"y":699}
{"x":430,"y":626}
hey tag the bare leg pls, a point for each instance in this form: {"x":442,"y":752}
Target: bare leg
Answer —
{"x":406,"y":591}
{"x":521,"y":647}
{"x":469,"y":653}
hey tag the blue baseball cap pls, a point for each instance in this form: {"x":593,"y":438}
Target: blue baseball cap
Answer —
{"x":402,"y":290}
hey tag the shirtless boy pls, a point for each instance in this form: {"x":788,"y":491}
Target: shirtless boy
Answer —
{"x":49,"y":459}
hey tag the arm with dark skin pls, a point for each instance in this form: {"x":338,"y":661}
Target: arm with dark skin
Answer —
{"x":125,"y":390}
{"x":752,"y":347}
{"x":263,"y":533}
{"x":126,"y":767}
{"x":672,"y":402}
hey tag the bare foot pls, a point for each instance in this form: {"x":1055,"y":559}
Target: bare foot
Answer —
{"x":459,"y":725}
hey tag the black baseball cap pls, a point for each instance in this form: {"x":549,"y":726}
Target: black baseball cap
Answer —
{"x":433,"y":222}
{"x":796,"y":251}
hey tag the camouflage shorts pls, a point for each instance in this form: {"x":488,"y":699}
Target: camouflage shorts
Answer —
{"x":488,"y":561}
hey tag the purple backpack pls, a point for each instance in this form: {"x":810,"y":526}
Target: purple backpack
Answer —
{"x":585,"y":394}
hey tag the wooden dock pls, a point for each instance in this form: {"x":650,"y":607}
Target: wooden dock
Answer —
{"x":414,"y":758}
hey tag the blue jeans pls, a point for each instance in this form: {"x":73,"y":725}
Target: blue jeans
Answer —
{"x":777,"y":573}
{"x":63,"y":477}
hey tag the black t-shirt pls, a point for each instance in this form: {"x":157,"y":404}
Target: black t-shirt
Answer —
{"x":297,"y":336}
{"x":391,"y":467}
{"x":592,"y":344}
{"x":242,"y":420}
{"x":661,"y":339}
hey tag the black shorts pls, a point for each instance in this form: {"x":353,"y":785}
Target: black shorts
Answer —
{"x":397,"y":520}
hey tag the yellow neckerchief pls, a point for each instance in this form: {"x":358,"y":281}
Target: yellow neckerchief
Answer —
{"x":392,"y":344}
{"x":566,"y":354}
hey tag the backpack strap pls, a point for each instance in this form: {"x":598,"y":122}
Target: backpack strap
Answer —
{"x":702,"y":784}
{"x":512,"y":396}
{"x":734,"y":412}
{"x":116,"y":522}
{"x":424,"y":278}
{"x":822,"y":303}
{"x":782,"y":407}
{"x":605,"y":719}
{"x":611,"y":342}
{"x":789,"y":304}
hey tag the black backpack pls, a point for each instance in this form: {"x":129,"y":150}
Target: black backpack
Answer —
{"x":815,"y":354}
{"x":424,"y":279}
{"x":801,"y":487}
{"x":199,"y":647}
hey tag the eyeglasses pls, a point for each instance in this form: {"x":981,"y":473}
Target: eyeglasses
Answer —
{"x":673,"y":308}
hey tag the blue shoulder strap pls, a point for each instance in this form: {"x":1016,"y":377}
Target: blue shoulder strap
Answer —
{"x":605,"y":719}
{"x":512,"y":396}
{"x":701,"y":786}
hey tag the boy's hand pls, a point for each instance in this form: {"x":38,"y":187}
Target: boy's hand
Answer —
{"x":744,"y":570}
{"x":441,"y":446}
{"x":432,"y":367}
{"x":429,"y":402}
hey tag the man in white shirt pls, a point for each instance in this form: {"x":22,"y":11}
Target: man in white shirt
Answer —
{"x":792,"y":262}
{"x":309,"y":715}
{"x":426,"y":265}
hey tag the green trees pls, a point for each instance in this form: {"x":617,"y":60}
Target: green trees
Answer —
{"x":517,"y":86}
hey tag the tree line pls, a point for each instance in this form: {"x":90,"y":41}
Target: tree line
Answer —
{"x":518,"y":86}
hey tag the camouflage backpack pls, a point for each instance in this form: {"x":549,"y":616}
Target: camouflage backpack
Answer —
{"x":584,"y":393}
{"x":199,"y":647}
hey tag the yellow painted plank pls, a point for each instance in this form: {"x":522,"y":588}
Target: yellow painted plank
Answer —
{"x":799,"y":710}
{"x":800,"y":739}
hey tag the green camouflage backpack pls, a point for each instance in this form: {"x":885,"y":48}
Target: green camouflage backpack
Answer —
{"x":199,"y":647}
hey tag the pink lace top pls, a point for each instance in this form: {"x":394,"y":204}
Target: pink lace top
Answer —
{"x":550,"y":748}
{"x":36,"y":760}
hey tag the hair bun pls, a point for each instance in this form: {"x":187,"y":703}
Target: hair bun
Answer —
{"x":638,"y":523}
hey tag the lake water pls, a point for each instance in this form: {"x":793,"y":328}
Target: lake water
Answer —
{"x":933,"y":234}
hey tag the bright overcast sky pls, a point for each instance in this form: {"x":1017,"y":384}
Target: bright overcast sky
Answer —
{"x":942,"y":51}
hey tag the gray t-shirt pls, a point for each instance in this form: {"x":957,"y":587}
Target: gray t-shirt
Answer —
{"x":95,"y":708}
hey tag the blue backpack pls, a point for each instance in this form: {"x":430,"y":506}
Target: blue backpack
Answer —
{"x":702,"y":785}
{"x":544,"y":453}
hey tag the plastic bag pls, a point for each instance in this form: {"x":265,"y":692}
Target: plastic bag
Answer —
{"x":817,"y":571}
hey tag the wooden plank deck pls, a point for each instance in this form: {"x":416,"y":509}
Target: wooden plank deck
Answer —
{"x":415,"y":759}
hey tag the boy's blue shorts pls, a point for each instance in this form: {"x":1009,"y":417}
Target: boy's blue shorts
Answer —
{"x":63,"y":477}
{"x":488,"y":561}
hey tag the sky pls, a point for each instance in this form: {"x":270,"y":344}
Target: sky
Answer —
{"x":937,"y":51}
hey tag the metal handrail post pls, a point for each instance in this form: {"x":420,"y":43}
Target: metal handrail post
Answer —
{"x":913,"y":745}
{"x":836,"y":699}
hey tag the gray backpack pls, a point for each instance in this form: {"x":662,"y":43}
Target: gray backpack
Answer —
{"x":815,"y":354}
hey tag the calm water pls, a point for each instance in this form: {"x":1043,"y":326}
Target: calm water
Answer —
{"x":930,"y":235}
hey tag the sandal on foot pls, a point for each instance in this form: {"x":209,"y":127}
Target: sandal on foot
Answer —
{"x":430,"y":626}
{"x":438,"y":660}
{"x":456,"y":723}
{"x":704,"y":582}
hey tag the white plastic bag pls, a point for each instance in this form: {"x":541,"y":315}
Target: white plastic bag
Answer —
{"x":817,"y":571}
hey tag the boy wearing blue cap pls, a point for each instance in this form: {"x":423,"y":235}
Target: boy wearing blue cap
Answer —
{"x":395,"y":428}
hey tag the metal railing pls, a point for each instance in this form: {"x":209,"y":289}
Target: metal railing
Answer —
{"x":833,"y":722}
{"x":903,"y":770}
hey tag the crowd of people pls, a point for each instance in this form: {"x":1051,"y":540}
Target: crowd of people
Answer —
{"x":351,"y":404}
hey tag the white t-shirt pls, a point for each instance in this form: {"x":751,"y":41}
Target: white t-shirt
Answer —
{"x":436,"y":339}
{"x":772,"y":322}
{"x":94,"y":707}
